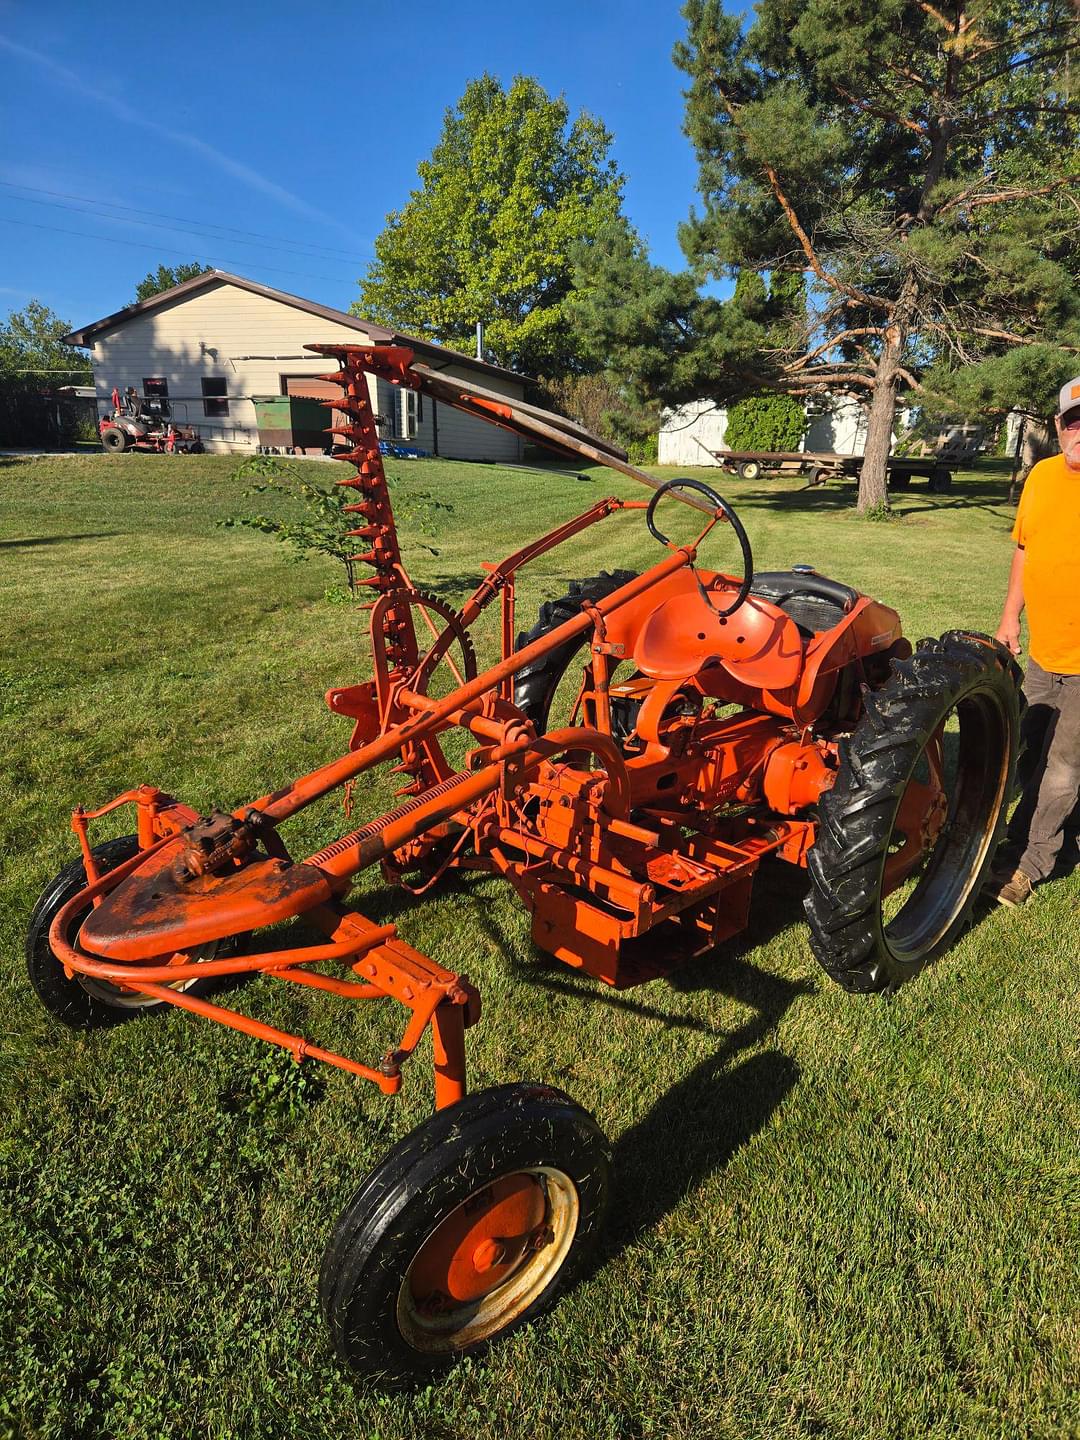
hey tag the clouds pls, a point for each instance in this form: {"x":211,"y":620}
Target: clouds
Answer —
{"x":209,"y":154}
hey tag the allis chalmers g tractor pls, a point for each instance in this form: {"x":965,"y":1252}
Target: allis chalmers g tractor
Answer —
{"x":714,"y":722}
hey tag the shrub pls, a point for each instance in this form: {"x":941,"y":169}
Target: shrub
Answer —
{"x":765,"y":422}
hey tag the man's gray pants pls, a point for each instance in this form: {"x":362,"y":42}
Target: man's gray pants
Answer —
{"x":1049,"y":770}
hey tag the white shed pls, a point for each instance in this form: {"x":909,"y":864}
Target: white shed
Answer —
{"x":213,"y":344}
{"x":690,"y":434}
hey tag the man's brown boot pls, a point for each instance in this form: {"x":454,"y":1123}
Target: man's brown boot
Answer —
{"x":1014,"y":891}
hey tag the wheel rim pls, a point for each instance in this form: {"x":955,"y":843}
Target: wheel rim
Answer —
{"x":944,"y":825}
{"x":489,"y":1260}
{"x":115,"y":996}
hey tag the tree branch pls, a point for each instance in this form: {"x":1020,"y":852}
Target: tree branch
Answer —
{"x":833,"y":340}
{"x":1022,"y":339}
{"x":935,"y":14}
{"x":1016,"y":64}
{"x":925,"y":85}
{"x":1023,"y":194}
{"x":977,"y":123}
{"x":858,"y":296}
{"x":891,"y":115}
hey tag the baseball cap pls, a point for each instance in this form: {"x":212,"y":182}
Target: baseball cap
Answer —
{"x":1069,"y":399}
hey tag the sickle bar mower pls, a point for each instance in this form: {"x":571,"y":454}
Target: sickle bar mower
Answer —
{"x":719,"y":721}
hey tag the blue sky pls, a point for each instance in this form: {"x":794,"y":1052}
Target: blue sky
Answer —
{"x":284,"y":133}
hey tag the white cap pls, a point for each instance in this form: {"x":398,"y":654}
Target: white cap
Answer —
{"x":1069,"y":399}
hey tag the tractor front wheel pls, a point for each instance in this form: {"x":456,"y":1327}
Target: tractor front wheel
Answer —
{"x":907,"y":834}
{"x":469,"y":1228}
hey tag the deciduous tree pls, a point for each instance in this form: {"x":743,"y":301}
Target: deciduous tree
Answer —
{"x":32,"y":349}
{"x":487,"y":236}
{"x":166,"y":276}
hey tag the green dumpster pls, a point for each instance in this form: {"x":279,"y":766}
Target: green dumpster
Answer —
{"x":291,"y":420}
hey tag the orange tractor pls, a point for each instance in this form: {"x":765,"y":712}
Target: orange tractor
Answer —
{"x":628,"y":764}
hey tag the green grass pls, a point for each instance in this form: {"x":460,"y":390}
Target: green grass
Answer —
{"x":834,"y":1217}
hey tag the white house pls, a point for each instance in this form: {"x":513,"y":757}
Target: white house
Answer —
{"x":689,"y":435}
{"x":214,"y":344}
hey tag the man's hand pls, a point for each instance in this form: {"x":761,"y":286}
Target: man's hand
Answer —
{"x":1008,"y":632}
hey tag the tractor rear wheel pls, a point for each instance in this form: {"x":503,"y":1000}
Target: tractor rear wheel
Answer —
{"x":468,"y":1229}
{"x":114,"y":440}
{"x":908,"y":832}
{"x":535,"y":686}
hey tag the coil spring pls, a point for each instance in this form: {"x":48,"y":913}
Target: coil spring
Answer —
{"x":376,"y":827}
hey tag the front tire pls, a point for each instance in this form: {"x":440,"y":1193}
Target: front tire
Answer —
{"x":888,"y":894}
{"x":114,"y":441}
{"x":467,"y":1230}
{"x":749,"y":470}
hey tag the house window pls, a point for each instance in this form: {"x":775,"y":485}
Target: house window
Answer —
{"x":389,"y":410}
{"x":412,"y":413}
{"x":155,"y":396}
{"x":215,"y":391}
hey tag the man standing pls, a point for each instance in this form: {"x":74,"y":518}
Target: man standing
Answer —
{"x":1045,"y":580}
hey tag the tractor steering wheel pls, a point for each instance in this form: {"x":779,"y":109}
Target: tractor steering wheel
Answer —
{"x":719,"y":503}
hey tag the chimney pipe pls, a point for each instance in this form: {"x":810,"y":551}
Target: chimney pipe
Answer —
{"x":479,"y":340}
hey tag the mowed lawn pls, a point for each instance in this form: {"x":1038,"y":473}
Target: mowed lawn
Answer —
{"x":833,"y":1216}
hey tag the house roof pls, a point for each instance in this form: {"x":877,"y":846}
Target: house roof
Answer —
{"x":377,"y":333}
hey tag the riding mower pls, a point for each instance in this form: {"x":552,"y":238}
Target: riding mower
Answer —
{"x":122,"y":430}
{"x":628,"y":765}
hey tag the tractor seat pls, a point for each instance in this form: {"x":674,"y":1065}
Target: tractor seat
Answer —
{"x":813,"y":601}
{"x":758,"y":644}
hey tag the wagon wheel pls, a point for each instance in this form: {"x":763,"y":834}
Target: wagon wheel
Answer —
{"x":908,"y":832}
{"x":81,"y":1001}
{"x":469,"y":1228}
{"x":749,"y":469}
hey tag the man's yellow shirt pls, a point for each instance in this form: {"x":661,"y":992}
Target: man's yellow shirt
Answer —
{"x":1048,"y":527}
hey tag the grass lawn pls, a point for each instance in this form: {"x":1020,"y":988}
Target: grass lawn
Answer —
{"x":833,"y":1216}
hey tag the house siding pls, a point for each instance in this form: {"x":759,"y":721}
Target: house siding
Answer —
{"x":250,"y":341}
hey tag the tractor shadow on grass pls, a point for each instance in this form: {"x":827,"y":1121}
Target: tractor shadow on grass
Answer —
{"x":690,"y":1135}
{"x":692,"y":1130}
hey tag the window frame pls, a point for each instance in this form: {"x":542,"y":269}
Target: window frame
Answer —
{"x":215,"y":404}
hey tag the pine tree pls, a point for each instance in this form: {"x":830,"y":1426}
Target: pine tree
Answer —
{"x":913,"y":159}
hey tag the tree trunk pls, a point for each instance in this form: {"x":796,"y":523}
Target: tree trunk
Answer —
{"x":873,"y":477}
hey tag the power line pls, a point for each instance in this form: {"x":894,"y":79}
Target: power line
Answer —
{"x":197,"y":234}
{"x":330,"y":252}
{"x":171,"y":250}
